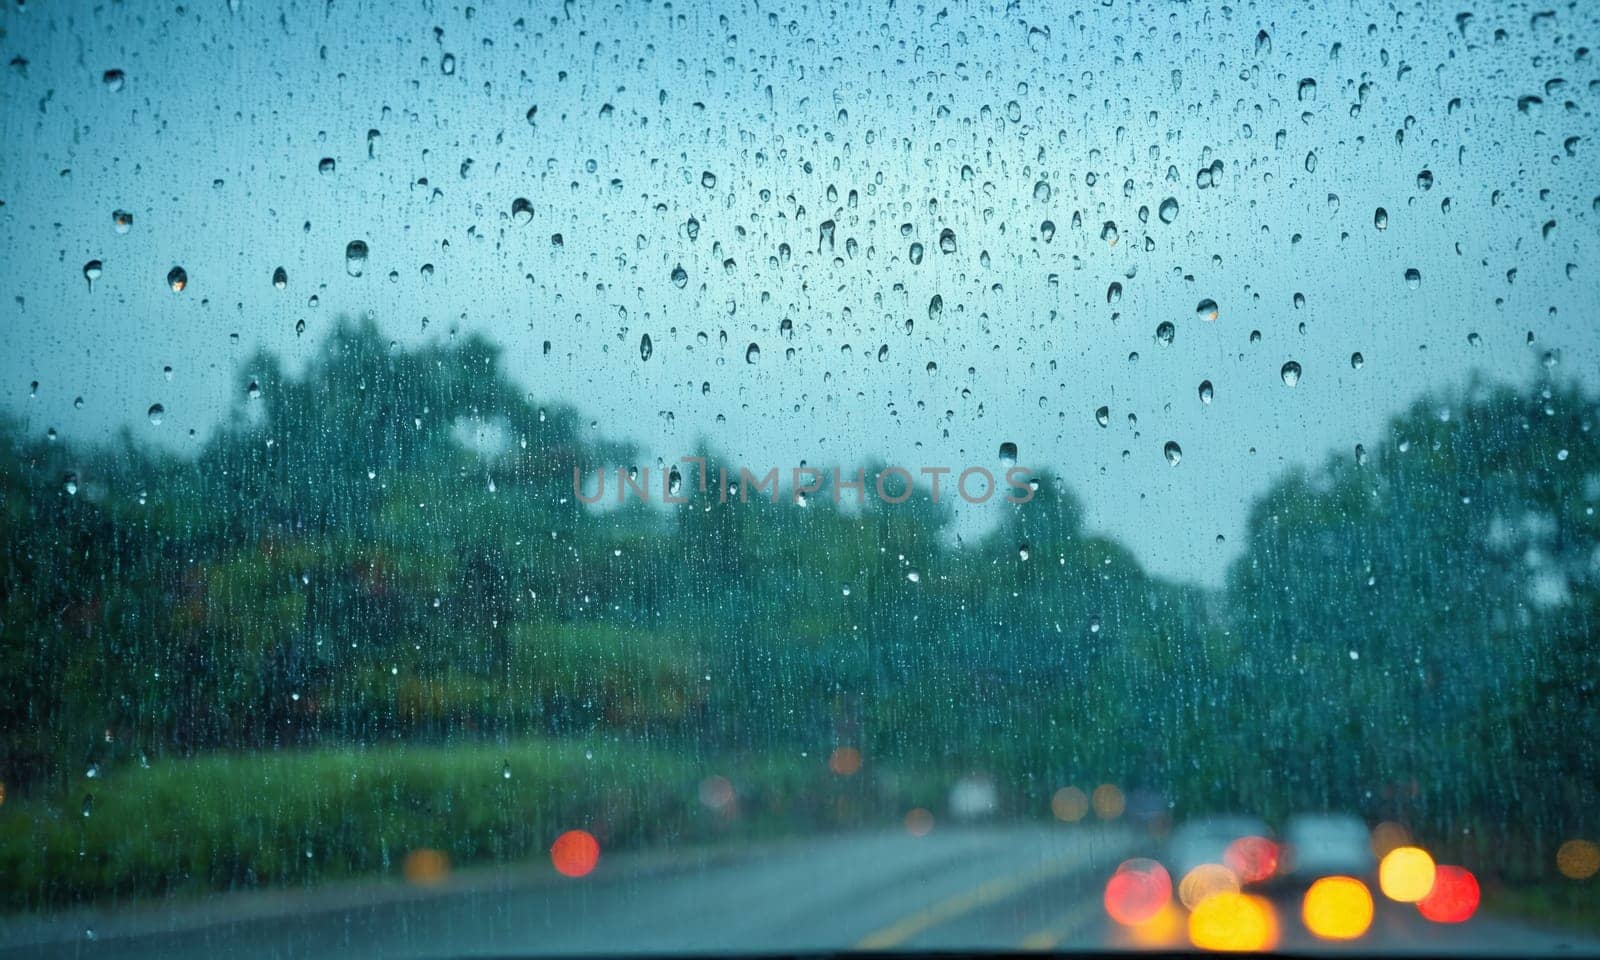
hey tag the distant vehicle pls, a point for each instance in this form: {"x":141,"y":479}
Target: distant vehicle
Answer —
{"x":1207,"y":839}
{"x":1318,"y":845}
{"x":973,"y":798}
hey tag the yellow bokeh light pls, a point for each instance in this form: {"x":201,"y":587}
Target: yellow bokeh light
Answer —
{"x":1206,"y":881}
{"x":1337,"y":908}
{"x":1162,"y":930}
{"x":1578,"y":859}
{"x":1233,"y":921}
{"x":1107,"y":801}
{"x":1069,"y":804}
{"x":1405,"y":874}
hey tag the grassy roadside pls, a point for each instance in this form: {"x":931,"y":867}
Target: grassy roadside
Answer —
{"x":302,"y":817}
{"x":1571,"y":905}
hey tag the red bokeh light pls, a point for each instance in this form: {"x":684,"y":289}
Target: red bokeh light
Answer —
{"x":1454,"y":896}
{"x":1254,"y":859}
{"x":575,"y":853}
{"x":1137,"y":891}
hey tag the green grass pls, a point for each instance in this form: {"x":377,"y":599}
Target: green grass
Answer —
{"x":301,"y":817}
{"x":1572,"y":904}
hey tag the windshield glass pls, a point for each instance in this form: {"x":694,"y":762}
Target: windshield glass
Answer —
{"x":773,"y":476}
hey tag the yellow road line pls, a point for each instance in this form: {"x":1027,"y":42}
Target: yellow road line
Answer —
{"x":988,"y":892}
{"x":1065,"y":926}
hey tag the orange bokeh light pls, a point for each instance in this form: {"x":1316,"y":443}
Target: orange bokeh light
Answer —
{"x":1164,"y":929}
{"x":1454,"y":897}
{"x":1576,"y":859}
{"x":918,"y":822}
{"x":845,"y":761}
{"x":1108,"y":801}
{"x":1234,"y":922}
{"x":425,"y":868}
{"x":1137,"y":891}
{"x":575,"y":853}
{"x":1069,"y":804}
{"x":1388,"y":835}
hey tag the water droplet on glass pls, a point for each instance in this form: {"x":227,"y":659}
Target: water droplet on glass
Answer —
{"x":947,"y":240}
{"x":355,"y":258}
{"x":325,"y":165}
{"x":177,"y":279}
{"x":1206,"y":310}
{"x":1380,"y":219}
{"x":280,"y":278}
{"x":1307,"y":90}
{"x":1114,"y":292}
{"x":1413,"y":278}
{"x":1165,"y":332}
{"x":1357,"y":361}
{"x":521,"y":212}
{"x":1206,"y":391}
{"x":1102,"y":416}
{"x":680,"y":277}
{"x":1108,"y":233}
{"x":447,"y":64}
{"x":113,"y":80}
{"x":752,"y":353}
{"x":1174,"y":453}
{"x":1168,"y":211}
{"x":1008,"y":454}
{"x":92,"y":271}
{"x":155,"y":413}
{"x":646,"y":348}
{"x":1290,"y":373}
{"x":121,"y":221}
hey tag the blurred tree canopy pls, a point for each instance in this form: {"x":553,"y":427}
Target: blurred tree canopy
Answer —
{"x":386,"y":546}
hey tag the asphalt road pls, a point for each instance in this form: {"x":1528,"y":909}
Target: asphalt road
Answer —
{"x":995,"y":888}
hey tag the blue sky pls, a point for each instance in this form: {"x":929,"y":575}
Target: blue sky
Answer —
{"x":896,"y":123}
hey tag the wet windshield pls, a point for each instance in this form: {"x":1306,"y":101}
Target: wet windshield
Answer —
{"x":663,"y":477}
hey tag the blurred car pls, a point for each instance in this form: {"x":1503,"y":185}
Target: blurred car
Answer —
{"x":973,"y":798}
{"x":1209,"y":839}
{"x":1323,"y":844}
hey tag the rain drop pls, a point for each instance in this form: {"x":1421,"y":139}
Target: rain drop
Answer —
{"x":355,"y":258}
